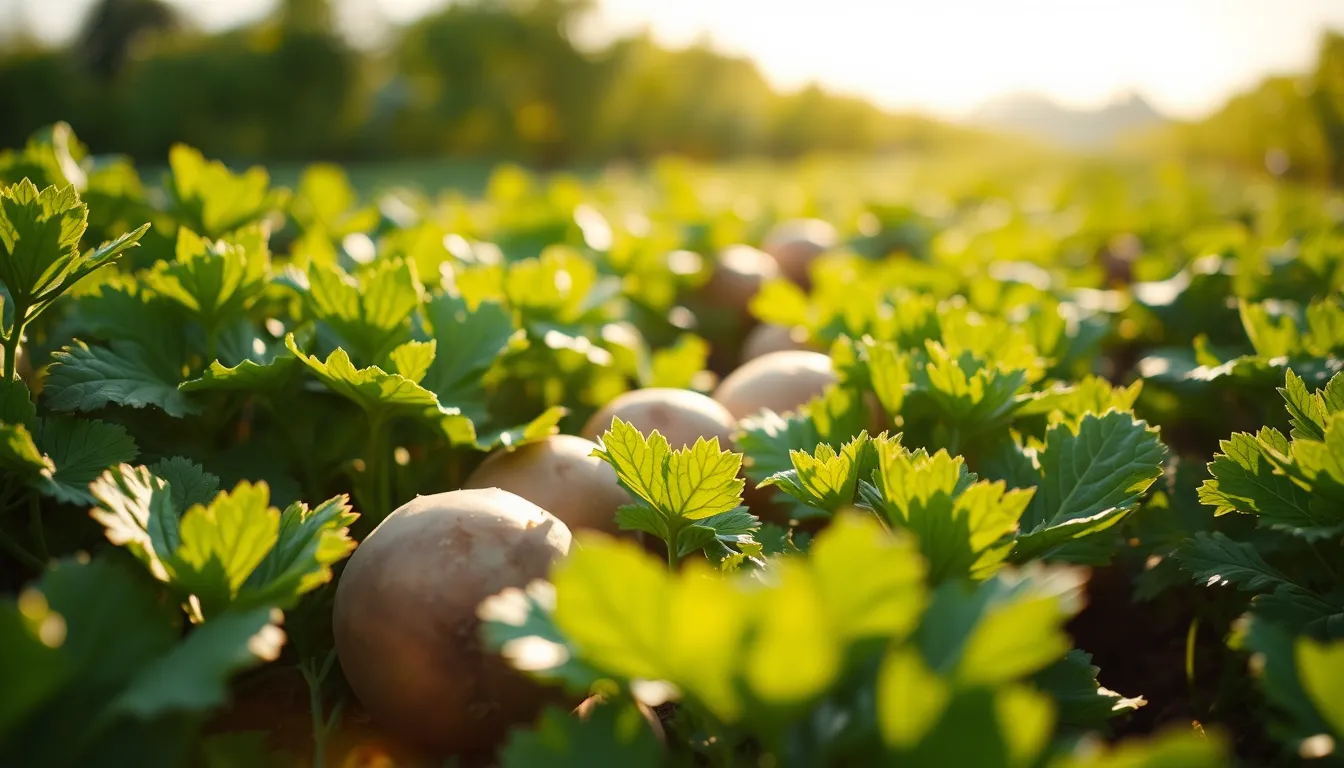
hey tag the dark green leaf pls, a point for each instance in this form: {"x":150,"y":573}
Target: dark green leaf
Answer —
{"x":81,"y":450}
{"x":87,"y":378}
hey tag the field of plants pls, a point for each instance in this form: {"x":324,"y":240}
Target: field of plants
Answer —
{"x":948,"y":461}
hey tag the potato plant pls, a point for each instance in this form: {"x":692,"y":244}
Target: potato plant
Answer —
{"x":626,"y":471}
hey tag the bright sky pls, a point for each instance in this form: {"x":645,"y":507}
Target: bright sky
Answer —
{"x":944,"y":56}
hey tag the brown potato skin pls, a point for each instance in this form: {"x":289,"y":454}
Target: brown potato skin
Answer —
{"x":796,"y":243}
{"x":560,"y":475}
{"x":769,"y":337}
{"x":738,"y":276}
{"x":779,"y":381}
{"x":680,"y":415}
{"x":405,"y":616}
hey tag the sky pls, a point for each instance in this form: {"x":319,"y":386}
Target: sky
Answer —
{"x":940,"y":56}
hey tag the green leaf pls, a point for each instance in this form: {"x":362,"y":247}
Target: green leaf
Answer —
{"x":39,"y":240}
{"x":325,"y":200}
{"x":1271,"y":335}
{"x":115,"y":623}
{"x":962,"y":525}
{"x":782,"y":302}
{"x":1276,"y":661}
{"x":413,"y":359}
{"x":609,"y":735}
{"x":16,"y":403}
{"x":369,"y":311}
{"x":1214,"y":559}
{"x":557,"y":287}
{"x":469,"y":341}
{"x":824,"y":479}
{"x":1320,"y":667}
{"x":726,"y":534}
{"x":1172,"y":749}
{"x":676,"y":366}
{"x":641,"y":517}
{"x":81,"y":449}
{"x":963,"y":392}
{"x":776,"y":540}
{"x":623,"y":637}
{"x":214,"y":281}
{"x":1014,"y":639}
{"x":748,"y":650}
{"x":1091,"y":477}
{"x":208,"y":198}
{"x":188,"y":482}
{"x":1333,"y":395}
{"x":1306,"y":409}
{"x":1003,"y":629}
{"x":871,"y":582}
{"x":247,"y":376}
{"x":1072,"y":683}
{"x":19,"y":454}
{"x":911,"y":699}
{"x":543,"y":426}
{"x":122,"y":309}
{"x":1243,"y":480}
{"x":87,"y":378}
{"x":690,"y":483}
{"x":519,"y":624}
{"x":839,"y":414}
{"x":1012,"y":726}
{"x":378,"y":393}
{"x":308,"y":544}
{"x":1093,"y":394}
{"x":194,"y":675}
{"x":30,"y":659}
{"x":138,"y":511}
{"x":767,"y":441}
{"x":889,"y":371}
{"x":223,"y":543}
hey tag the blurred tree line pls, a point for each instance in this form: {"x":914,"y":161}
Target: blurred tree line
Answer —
{"x":484,"y":78}
{"x":1289,"y":125}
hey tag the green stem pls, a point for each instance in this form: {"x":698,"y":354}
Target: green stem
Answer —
{"x":22,"y":555}
{"x":321,"y":724}
{"x":11,"y":344}
{"x":35,"y":524}
{"x":673,"y":552}
{"x":376,"y":467}
{"x":318,"y":722}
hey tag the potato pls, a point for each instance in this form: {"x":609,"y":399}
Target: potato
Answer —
{"x":560,"y":475}
{"x":405,"y":616}
{"x":769,"y":337}
{"x":680,"y":415}
{"x":779,"y":381}
{"x":796,"y":243}
{"x":738,"y":276}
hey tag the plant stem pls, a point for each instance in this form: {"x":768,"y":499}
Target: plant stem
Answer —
{"x":11,"y":345}
{"x":11,"y":341}
{"x":22,"y":555}
{"x":673,"y":556}
{"x":321,"y":725}
{"x":315,"y":713}
{"x":378,"y":481}
{"x":35,"y":524}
